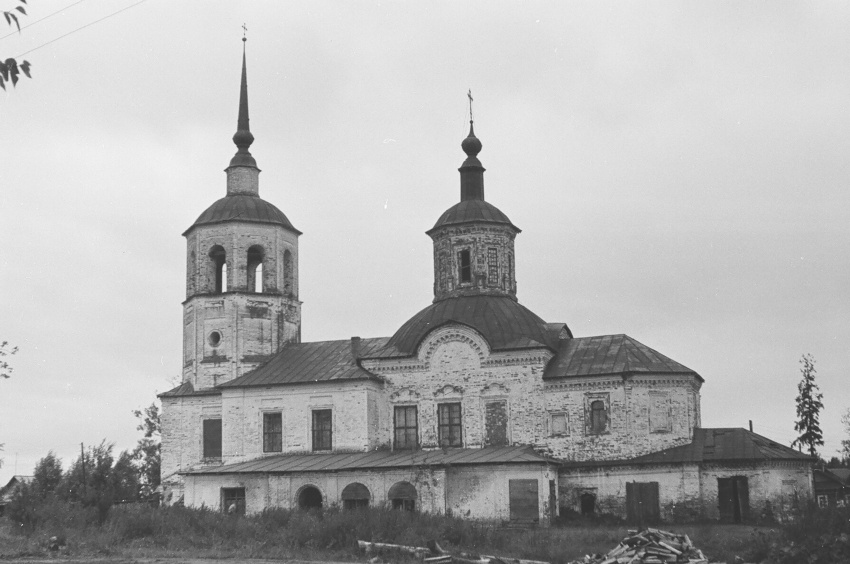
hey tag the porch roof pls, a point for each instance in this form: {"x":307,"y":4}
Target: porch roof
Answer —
{"x":378,"y":459}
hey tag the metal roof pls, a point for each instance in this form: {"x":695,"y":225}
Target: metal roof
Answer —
{"x":711,"y":445}
{"x":468,"y":211}
{"x":321,"y":361}
{"x":609,"y":354}
{"x":243,"y":207}
{"x":379,"y":459}
{"x":187,"y":389}
{"x":502,"y":321}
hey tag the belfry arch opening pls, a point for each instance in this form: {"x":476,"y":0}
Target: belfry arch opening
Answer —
{"x":218,"y":263}
{"x":255,"y":269}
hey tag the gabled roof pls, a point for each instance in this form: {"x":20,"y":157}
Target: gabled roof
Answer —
{"x":501,"y":320}
{"x":321,"y":361}
{"x":328,"y":462}
{"x":608,"y":355}
{"x":187,"y":389}
{"x":712,"y":445}
{"x":842,"y":474}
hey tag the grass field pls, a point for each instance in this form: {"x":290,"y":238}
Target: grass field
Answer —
{"x":146,"y":532}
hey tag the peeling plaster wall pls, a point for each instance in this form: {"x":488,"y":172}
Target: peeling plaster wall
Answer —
{"x":482,"y":492}
{"x":455,"y":365}
{"x":272,"y":490}
{"x":645,"y":414}
{"x":689,"y":491}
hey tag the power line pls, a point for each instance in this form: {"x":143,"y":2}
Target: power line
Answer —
{"x":81,"y":27}
{"x":42,"y":19}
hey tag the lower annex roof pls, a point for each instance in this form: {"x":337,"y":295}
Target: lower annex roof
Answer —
{"x":335,"y":462}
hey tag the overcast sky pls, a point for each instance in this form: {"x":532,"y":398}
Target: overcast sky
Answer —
{"x":680,"y":172}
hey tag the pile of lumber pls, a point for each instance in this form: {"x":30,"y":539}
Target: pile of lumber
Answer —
{"x":434,"y":554}
{"x":650,"y":546}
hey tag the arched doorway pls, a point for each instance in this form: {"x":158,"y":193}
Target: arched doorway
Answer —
{"x":309,"y":498}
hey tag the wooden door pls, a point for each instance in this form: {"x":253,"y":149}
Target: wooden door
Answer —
{"x":642,"y":506}
{"x":733,"y":498}
{"x":523,"y":500}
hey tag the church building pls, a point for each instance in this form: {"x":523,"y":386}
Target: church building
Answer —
{"x":475,"y":406}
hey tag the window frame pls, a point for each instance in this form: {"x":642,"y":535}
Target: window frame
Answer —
{"x":406,"y":428}
{"x":324,"y":431}
{"x":492,"y":266}
{"x":464,"y":271}
{"x":208,"y":443}
{"x":447,"y":427}
{"x":589,"y":400}
{"x":552,"y":416}
{"x":233,"y":495}
{"x":269,"y":434}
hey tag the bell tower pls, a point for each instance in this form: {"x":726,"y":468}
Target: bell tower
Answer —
{"x":241,"y":274}
{"x":473,"y":240}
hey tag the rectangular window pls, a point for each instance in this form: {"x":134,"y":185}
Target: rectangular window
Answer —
{"x":322,"y":429}
{"x":449,"y":425}
{"x":212,"y":438}
{"x":272,"y":432}
{"x":496,"y":423}
{"x":464,"y":267}
{"x":233,"y":501}
{"x":406,"y":427}
{"x":659,"y":412}
{"x":492,"y":267}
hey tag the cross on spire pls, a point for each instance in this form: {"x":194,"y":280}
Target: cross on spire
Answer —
{"x":469,"y":95}
{"x":244,"y":32}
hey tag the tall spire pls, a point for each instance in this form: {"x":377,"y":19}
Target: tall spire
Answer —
{"x":243,"y":137}
{"x":243,"y":176}
{"x":471,"y":171}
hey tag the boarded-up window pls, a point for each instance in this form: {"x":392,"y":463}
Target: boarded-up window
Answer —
{"x":406,"y":429}
{"x":524,"y":503}
{"x":233,"y":501}
{"x":322,"y":429}
{"x":659,"y":413}
{"x":642,"y":503}
{"x":496,"y":423}
{"x":492,"y":267}
{"x":449,"y":425}
{"x":272,"y":432}
{"x":212,"y":438}
{"x":733,"y":497}
{"x":559,"y":425}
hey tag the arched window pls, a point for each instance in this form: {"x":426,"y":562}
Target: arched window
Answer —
{"x":255,"y":269}
{"x":310,"y":498}
{"x":218,"y":264}
{"x":288,"y":281}
{"x":355,"y":496}
{"x":598,"y":417}
{"x":403,"y":496}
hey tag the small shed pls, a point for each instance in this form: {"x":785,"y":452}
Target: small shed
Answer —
{"x":832,"y":486}
{"x":7,"y":491}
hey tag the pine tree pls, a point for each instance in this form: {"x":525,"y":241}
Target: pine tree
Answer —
{"x":808,"y":408}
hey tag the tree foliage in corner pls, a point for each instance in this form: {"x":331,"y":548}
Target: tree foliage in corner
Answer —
{"x":146,"y":455}
{"x":808,"y":408}
{"x":845,"y":443}
{"x":10,"y":69}
{"x":5,"y":367}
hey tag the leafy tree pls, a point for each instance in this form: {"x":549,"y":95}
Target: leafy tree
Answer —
{"x":808,"y":408}
{"x":94,"y":481}
{"x":47,"y":475}
{"x":10,"y":69}
{"x":6,"y":350}
{"x":146,"y":455}
{"x":845,"y":443}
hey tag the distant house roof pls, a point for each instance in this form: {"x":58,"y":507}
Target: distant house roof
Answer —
{"x":501,"y":320}
{"x":7,"y":490}
{"x":243,"y":207}
{"x":609,"y":354}
{"x":711,"y":445}
{"x":321,"y":361}
{"x":842,"y":474}
{"x":288,"y":463}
